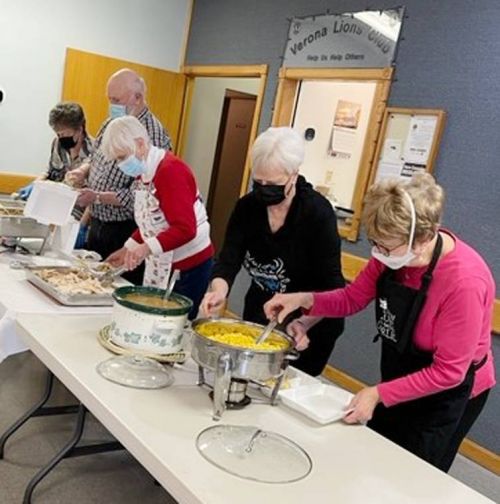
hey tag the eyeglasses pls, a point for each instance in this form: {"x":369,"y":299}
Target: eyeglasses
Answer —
{"x":385,"y":250}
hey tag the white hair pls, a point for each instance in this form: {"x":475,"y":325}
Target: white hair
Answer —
{"x":120,"y":135}
{"x":278,"y":148}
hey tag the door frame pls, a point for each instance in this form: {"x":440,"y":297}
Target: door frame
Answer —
{"x":284,"y":107}
{"x":193,"y":71}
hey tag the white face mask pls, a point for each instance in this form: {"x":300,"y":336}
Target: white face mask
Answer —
{"x":397,"y":262}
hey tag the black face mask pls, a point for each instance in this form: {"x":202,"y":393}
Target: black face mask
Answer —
{"x":269,"y":194}
{"x":67,"y":142}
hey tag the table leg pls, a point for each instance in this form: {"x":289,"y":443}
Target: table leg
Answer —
{"x":80,"y":422}
{"x":36,"y":410}
{"x":70,"y":450}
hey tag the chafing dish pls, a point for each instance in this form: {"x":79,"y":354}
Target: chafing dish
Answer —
{"x":235,"y":367}
{"x":14,"y":224}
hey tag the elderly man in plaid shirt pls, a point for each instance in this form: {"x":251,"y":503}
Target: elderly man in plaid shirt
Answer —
{"x":109,"y":193}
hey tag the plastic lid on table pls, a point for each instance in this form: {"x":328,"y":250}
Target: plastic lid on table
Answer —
{"x":136,"y":371}
{"x":255,"y":454}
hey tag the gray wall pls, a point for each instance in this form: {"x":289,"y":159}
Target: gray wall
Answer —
{"x":449,"y":59}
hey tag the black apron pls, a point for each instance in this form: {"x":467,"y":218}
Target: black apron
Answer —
{"x":423,"y":426}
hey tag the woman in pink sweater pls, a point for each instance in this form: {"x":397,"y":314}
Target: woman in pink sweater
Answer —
{"x":434,"y":300}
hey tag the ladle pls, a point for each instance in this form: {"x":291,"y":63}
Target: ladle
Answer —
{"x":171,"y":284}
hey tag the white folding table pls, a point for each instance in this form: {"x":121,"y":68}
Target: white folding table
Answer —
{"x":351,"y":464}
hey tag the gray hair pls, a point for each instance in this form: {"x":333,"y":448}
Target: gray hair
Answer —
{"x":120,"y":135}
{"x":281,"y":148}
{"x":67,"y":115}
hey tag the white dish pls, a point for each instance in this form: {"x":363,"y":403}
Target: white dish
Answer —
{"x":86,"y":255}
{"x":321,"y":402}
{"x":293,"y":378}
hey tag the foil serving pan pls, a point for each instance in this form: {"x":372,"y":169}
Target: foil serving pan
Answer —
{"x":77,"y":299}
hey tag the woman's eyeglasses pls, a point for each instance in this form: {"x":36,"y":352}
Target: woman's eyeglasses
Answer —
{"x":384,"y":250}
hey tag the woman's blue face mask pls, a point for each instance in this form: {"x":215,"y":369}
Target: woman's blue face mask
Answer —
{"x":132,"y":166}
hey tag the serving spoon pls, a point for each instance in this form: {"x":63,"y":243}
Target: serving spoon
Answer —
{"x":109,"y":276}
{"x":171,"y":284}
{"x":267,"y":331}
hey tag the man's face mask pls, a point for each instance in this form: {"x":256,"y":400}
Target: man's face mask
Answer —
{"x":117,"y":110}
{"x":397,"y":262}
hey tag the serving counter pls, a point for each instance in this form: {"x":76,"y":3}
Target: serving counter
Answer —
{"x":159,"y":427}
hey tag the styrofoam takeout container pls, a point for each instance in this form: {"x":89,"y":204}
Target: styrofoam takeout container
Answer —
{"x":50,"y":202}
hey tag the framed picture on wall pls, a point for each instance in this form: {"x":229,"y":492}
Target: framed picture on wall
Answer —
{"x":408,"y":142}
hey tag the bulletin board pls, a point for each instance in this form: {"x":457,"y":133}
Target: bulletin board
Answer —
{"x":408,"y":142}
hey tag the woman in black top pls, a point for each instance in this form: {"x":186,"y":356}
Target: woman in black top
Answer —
{"x":284,"y":233}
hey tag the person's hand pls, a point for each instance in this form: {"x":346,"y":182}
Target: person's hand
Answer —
{"x":362,"y":405}
{"x":298,"y":332}
{"x":212,"y":303}
{"x":24,"y":192}
{"x":117,"y":258}
{"x":86,"y":197}
{"x":135,"y":256}
{"x":81,"y":239}
{"x":281,"y":305}
{"x":77,"y":176}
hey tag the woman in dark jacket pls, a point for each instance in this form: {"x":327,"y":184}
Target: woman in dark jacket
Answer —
{"x":284,"y":233}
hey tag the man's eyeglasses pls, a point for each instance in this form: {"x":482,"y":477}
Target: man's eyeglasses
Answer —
{"x":384,"y":250}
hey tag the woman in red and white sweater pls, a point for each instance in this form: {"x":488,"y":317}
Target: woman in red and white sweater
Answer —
{"x":173,"y":230}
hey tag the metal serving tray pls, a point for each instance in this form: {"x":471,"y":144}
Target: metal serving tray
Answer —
{"x":74,"y":299}
{"x":14,"y":224}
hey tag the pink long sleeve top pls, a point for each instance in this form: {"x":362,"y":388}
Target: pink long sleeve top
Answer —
{"x":455,"y":322}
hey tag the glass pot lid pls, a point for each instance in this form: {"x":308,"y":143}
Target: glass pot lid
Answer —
{"x":135,"y":371}
{"x":255,"y":454}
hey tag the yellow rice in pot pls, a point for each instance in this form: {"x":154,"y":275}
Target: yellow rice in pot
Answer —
{"x":241,"y":336}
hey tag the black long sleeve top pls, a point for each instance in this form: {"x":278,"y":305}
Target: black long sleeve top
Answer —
{"x":303,"y":255}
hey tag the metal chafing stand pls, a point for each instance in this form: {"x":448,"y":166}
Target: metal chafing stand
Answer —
{"x":15,"y":225}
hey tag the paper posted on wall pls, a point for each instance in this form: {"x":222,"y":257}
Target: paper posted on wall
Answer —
{"x":392,"y":150}
{"x":419,"y":140}
{"x":389,"y":169}
{"x":410,"y":169}
{"x":343,"y":137}
{"x":397,"y":169}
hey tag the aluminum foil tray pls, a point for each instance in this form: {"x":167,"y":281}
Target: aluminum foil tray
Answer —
{"x":74,"y":299}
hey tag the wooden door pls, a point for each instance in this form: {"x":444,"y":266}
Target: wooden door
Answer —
{"x":85,"y":78}
{"x":229,"y":161}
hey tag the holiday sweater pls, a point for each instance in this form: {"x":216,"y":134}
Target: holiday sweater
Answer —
{"x":187,"y":232}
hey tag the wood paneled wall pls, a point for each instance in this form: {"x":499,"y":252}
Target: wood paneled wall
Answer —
{"x":86,"y":76}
